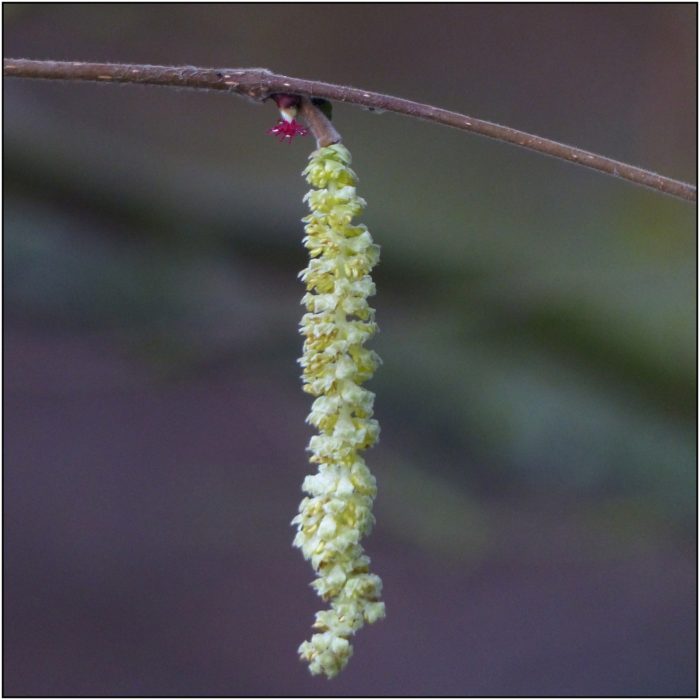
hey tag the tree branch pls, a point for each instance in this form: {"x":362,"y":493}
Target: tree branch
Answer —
{"x":259,"y":84}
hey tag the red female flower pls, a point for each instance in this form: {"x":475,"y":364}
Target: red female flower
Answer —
{"x":287,"y":130}
{"x":287,"y":127}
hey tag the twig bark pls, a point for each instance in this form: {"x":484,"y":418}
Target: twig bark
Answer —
{"x":321,"y":127}
{"x":259,"y":84}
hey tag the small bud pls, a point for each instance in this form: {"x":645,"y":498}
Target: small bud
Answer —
{"x":288,"y":106}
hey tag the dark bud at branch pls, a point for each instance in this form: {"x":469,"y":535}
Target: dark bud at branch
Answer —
{"x":324,"y":105}
{"x":286,"y":102}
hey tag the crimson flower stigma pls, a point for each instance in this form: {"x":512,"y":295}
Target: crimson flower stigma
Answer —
{"x":287,"y":130}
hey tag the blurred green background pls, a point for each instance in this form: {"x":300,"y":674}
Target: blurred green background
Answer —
{"x":536,"y":515}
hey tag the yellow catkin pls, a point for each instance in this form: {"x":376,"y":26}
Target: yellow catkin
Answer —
{"x":337,"y":512}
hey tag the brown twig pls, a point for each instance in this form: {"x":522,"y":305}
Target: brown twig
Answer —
{"x":321,"y":127}
{"x":258,"y":84}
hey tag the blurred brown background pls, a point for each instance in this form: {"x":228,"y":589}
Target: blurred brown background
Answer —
{"x":536,"y":515}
